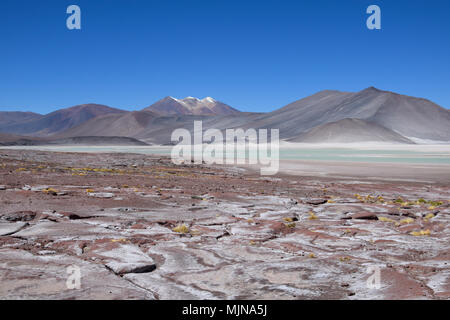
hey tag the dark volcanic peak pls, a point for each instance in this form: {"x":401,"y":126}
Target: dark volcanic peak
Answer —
{"x":191,"y":106}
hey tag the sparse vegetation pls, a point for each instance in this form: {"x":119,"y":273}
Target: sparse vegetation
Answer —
{"x":312,"y":216}
{"x":181,"y":228}
{"x":421,"y":233}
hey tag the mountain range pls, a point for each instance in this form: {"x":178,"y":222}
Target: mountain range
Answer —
{"x":324,"y":117}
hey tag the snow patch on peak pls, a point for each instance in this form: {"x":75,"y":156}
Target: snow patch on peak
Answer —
{"x":209,"y":99}
{"x":174,"y":99}
{"x":193,"y":103}
{"x":191,"y":98}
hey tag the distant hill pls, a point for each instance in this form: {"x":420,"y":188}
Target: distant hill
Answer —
{"x":58,"y":121}
{"x":191,"y":106}
{"x":97,"y":141}
{"x":6,"y":138}
{"x":13,"y":117}
{"x":350,"y":130}
{"x":89,"y":141}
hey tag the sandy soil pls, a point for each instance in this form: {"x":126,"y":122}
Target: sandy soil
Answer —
{"x":427,"y":173}
{"x":139,"y":227}
{"x":428,"y":147}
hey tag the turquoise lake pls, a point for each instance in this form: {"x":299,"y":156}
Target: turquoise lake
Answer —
{"x":416,"y":154}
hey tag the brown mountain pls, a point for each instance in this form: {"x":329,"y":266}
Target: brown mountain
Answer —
{"x":59,"y":121}
{"x":13,"y":117}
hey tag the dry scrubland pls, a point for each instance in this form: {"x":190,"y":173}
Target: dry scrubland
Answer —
{"x":139,"y":227}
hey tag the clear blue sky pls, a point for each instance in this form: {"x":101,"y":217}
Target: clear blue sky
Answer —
{"x":253,"y":55}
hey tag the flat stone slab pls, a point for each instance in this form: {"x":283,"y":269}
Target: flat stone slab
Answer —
{"x":125,"y":258}
{"x":364,"y":216}
{"x":105,"y":195}
{"x":31,"y":276}
{"x":316,"y":202}
{"x":9,"y":228}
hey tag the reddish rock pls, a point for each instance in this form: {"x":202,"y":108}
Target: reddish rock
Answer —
{"x":364,"y":216}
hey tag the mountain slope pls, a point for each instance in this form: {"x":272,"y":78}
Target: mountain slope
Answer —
{"x":413,"y":117}
{"x":129,"y":124}
{"x":350,"y":130}
{"x":191,"y":106}
{"x":60,"y":120}
{"x":151,"y":127}
{"x":409,"y":116}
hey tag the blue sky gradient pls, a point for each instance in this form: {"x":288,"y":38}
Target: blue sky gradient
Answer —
{"x":253,"y":55}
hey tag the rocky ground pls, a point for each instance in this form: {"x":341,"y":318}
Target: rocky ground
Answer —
{"x":139,"y":227}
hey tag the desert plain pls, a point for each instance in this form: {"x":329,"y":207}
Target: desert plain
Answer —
{"x":139,"y":227}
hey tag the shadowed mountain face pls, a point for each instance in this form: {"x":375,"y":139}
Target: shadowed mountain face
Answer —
{"x":58,"y":121}
{"x":191,"y":106}
{"x":350,"y":130}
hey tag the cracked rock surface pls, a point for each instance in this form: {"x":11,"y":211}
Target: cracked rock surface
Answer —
{"x":139,"y":227}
